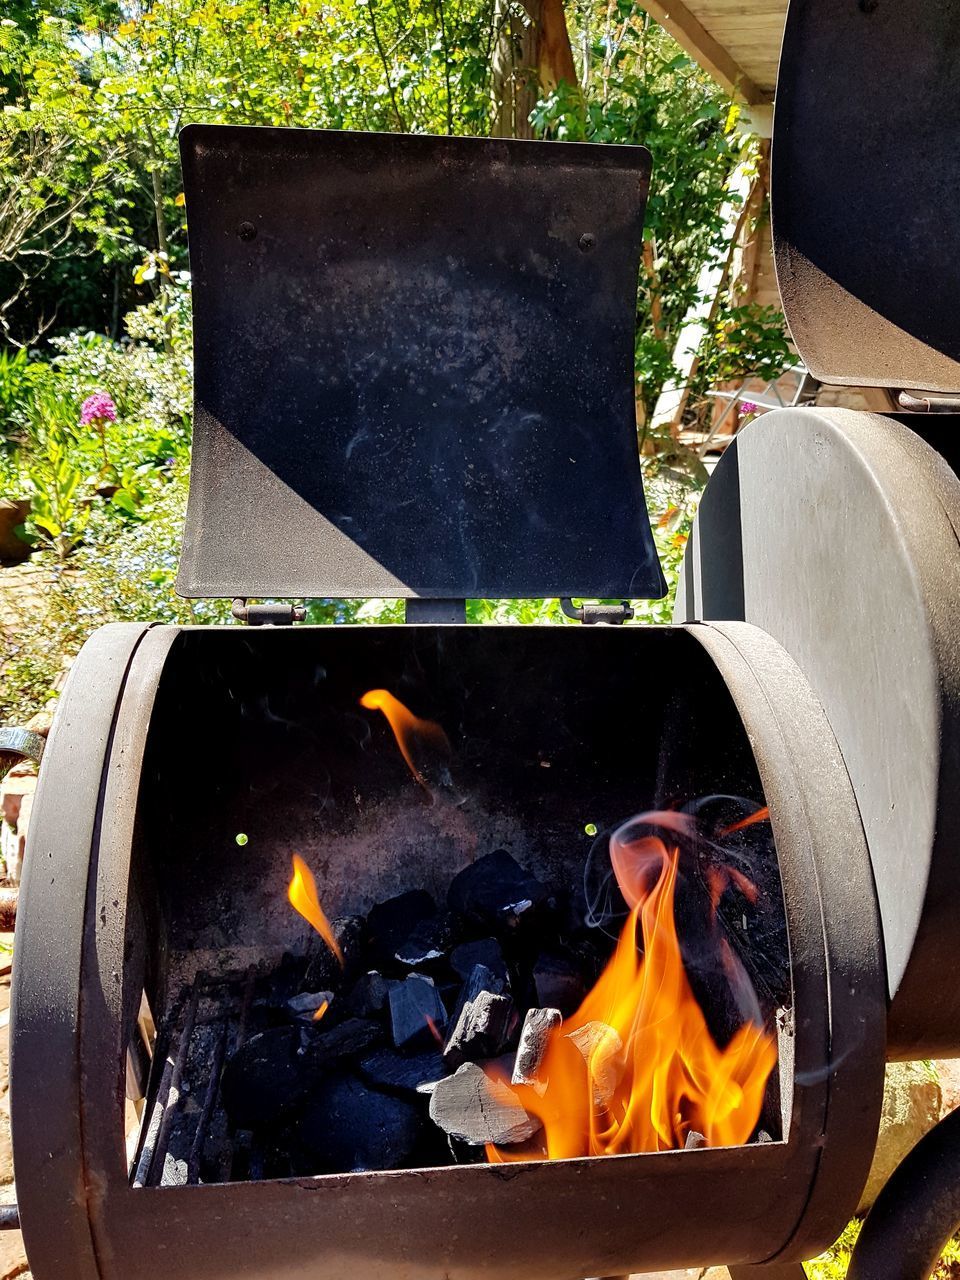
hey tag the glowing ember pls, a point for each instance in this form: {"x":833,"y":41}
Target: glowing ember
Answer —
{"x":412,"y":733}
{"x":434,"y":1030}
{"x":656,"y":1073}
{"x":302,"y":895}
{"x":321,"y":1010}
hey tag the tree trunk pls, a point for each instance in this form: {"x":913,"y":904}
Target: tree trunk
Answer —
{"x":530,"y":59}
{"x":554,"y":55}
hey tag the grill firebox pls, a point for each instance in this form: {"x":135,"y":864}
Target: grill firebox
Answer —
{"x":168,"y":895}
{"x":401,"y":392}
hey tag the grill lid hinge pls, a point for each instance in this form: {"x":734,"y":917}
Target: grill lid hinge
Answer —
{"x":279,"y":614}
{"x":613,"y":615}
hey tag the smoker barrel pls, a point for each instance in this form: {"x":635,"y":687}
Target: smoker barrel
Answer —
{"x":865,"y":228}
{"x":852,"y":566}
{"x":134,"y":883}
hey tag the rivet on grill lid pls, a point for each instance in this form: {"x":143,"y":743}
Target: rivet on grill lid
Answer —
{"x":247,"y":231}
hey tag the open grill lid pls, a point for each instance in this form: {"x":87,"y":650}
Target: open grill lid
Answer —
{"x":414,"y":367}
{"x":865,"y":169}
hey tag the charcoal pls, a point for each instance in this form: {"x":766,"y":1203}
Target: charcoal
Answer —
{"x":390,"y":923}
{"x":477,"y":1108}
{"x":484,"y":1021}
{"x":485,"y":951}
{"x":266,"y":1078}
{"x":402,"y":1073}
{"x":480,"y":978}
{"x":329,"y":1045}
{"x":558,"y":983}
{"x":417,"y":1015}
{"x":538,"y":1026}
{"x":763,"y":1136}
{"x":304,"y":1006}
{"x":602,"y":1051}
{"x":426,"y":945}
{"x":368,"y":996}
{"x":348,"y":1127}
{"x":694,"y":1141}
{"x":324,"y":970}
{"x":495,"y":890}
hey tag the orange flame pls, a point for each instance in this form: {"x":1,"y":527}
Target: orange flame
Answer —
{"x":636,"y":1068}
{"x":302,"y":896}
{"x":761,"y":815}
{"x":321,"y":1009}
{"x":409,"y":730}
{"x":434,"y":1030}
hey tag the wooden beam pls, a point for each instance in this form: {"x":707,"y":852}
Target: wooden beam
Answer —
{"x":691,"y":35}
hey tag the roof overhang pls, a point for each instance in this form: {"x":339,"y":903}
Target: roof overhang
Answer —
{"x":737,"y":42}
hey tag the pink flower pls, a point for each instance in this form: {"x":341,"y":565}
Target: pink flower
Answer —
{"x":98,"y":408}
{"x":747,"y":406}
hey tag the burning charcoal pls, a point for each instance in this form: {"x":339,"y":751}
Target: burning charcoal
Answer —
{"x":305,"y":1007}
{"x":417,"y":1015}
{"x":368,"y":996}
{"x":538,"y":1026}
{"x":558,"y":984}
{"x":602,"y":1051}
{"x":323,"y":968}
{"x":694,"y":1141}
{"x":345,"y":1040}
{"x":483,"y":1022}
{"x":266,"y":1078}
{"x":487,"y":951}
{"x":390,"y":923}
{"x":477,"y":1108}
{"x":427,"y":943}
{"x":347,"y":1127}
{"x":401,"y":1073}
{"x":495,"y":890}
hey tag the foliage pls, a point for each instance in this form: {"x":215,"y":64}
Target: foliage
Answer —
{"x":18,"y":375}
{"x":746,"y":341}
{"x":113,"y":577}
{"x":642,"y":90}
{"x":108,"y":98}
{"x":835,"y":1262}
{"x":59,"y":512}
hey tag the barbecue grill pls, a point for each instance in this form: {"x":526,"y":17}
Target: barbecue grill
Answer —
{"x":401,"y":392}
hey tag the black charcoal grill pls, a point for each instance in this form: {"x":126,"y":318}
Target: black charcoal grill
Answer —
{"x":414,"y":379}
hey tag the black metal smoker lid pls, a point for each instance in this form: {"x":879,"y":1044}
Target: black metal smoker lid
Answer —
{"x":414,"y":367}
{"x":866,"y":166}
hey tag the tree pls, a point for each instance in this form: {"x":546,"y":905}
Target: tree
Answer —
{"x":112,"y":94}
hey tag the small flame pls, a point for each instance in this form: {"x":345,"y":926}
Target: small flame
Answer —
{"x":321,"y":1010}
{"x":654,"y":1073}
{"x":761,"y":815}
{"x":302,"y":895}
{"x":434,"y":1031}
{"x":410,"y":731}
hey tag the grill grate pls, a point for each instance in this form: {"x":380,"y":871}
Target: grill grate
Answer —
{"x":186,"y":1139}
